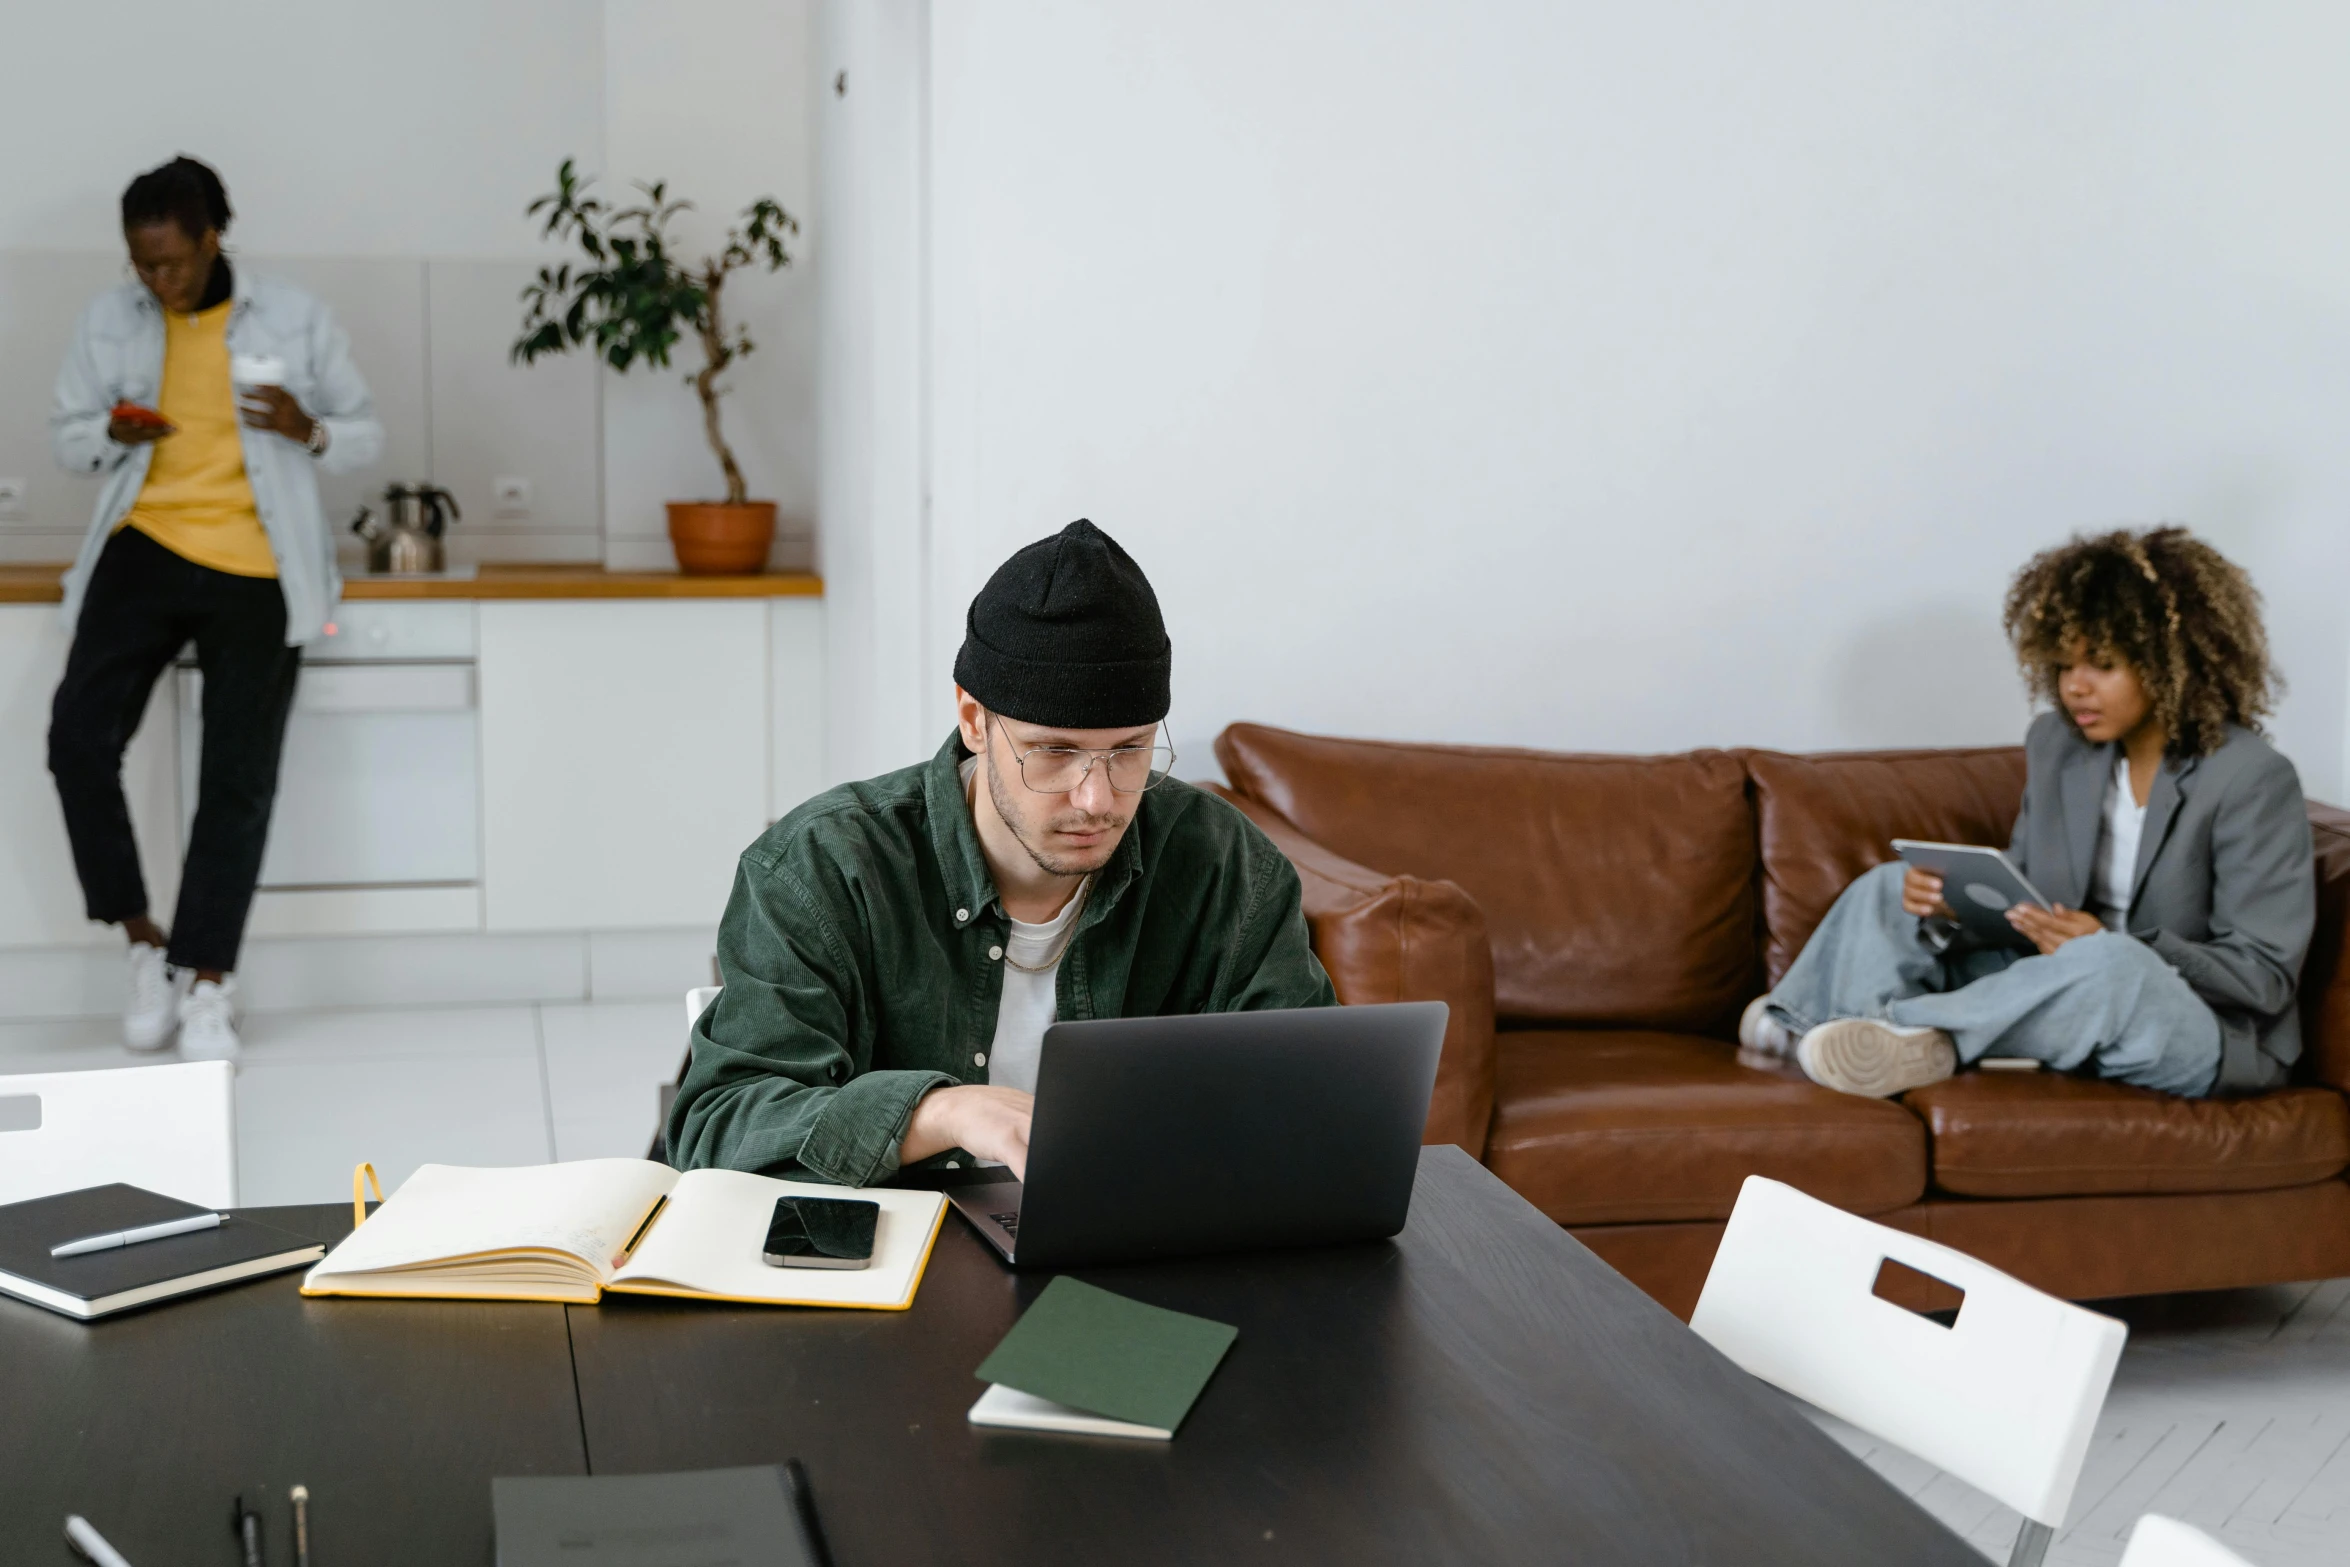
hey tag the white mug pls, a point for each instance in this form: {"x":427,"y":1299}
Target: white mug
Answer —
{"x":247,"y":371}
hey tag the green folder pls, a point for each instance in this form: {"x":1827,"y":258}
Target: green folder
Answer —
{"x":1107,"y":1355}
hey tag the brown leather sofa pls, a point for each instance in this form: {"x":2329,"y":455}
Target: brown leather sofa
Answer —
{"x":1597,"y":922}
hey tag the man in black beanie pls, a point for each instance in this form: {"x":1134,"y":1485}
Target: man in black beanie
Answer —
{"x":894,"y":949}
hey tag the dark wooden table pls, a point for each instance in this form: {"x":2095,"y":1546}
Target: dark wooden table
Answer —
{"x":394,"y":1413}
{"x":1482,"y":1390}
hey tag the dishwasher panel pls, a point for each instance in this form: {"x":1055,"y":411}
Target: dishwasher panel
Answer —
{"x":379,"y":785}
{"x":373,"y":631}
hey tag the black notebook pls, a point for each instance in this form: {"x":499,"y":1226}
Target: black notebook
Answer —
{"x":697,"y":1518}
{"x":103,"y":1282}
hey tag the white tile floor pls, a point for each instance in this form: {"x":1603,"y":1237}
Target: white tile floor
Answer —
{"x":2230,"y":1410}
{"x":317,"y":1092}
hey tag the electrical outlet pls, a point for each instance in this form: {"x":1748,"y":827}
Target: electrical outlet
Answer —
{"x":510,"y":497}
{"x":12,"y":500}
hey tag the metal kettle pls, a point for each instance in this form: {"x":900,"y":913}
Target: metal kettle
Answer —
{"x":410,"y":545}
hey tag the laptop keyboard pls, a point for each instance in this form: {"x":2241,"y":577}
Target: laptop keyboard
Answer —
{"x":1009,"y":1222}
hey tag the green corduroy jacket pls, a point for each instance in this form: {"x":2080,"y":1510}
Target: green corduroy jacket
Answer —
{"x":855,"y":956}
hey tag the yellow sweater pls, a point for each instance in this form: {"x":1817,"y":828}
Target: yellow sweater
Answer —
{"x":196,"y":501}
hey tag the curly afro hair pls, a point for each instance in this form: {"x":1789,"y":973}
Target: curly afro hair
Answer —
{"x":2179,"y":613}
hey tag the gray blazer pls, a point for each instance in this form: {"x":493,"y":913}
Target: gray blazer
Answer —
{"x":2225,"y":891}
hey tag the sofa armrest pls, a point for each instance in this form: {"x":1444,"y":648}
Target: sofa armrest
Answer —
{"x":2325,"y":973}
{"x":1398,"y":938}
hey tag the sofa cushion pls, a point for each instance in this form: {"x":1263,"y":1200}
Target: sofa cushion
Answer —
{"x":1606,"y":1127}
{"x":1822,"y":820}
{"x":2044,"y":1134}
{"x":1616,"y":889}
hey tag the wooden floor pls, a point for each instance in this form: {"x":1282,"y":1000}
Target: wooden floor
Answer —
{"x":2231,"y":1411}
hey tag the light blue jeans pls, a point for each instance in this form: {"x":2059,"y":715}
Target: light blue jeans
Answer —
{"x":2105,"y":1001}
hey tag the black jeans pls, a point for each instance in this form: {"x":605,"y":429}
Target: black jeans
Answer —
{"x":144,"y":604}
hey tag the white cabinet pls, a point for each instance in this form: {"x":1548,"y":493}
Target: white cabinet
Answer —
{"x":629,"y":750}
{"x":625,"y":759}
{"x":40,"y":898}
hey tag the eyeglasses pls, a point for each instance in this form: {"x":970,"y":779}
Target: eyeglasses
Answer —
{"x":1061,"y":769}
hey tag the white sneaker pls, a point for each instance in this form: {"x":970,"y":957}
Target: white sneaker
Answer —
{"x":1859,"y":1055}
{"x":152,"y":1011}
{"x":208,"y":1030}
{"x":1759,"y":1031}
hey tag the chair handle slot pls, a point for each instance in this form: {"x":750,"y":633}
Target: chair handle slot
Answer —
{"x":1912,"y":1289}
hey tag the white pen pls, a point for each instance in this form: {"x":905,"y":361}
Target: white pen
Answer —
{"x":145,"y":1232}
{"x":90,"y":1542}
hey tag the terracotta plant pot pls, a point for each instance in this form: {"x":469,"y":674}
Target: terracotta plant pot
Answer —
{"x":716,"y":539}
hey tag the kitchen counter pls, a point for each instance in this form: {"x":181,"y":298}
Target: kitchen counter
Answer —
{"x":42,"y":585}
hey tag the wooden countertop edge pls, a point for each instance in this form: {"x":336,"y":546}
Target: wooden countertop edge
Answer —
{"x":41,"y":585}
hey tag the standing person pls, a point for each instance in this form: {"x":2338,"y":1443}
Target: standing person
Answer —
{"x":2171,"y":840}
{"x":207,"y":530}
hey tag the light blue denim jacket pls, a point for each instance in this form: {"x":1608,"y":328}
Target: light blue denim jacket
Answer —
{"x":117,"y":355}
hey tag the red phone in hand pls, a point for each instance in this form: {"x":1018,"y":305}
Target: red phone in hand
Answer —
{"x":133,"y":413}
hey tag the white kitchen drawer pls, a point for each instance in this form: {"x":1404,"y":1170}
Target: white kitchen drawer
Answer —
{"x":362,"y":688}
{"x":368,"y":629}
{"x":378,"y":784}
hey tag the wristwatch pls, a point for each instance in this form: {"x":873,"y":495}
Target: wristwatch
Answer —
{"x":317,"y":441}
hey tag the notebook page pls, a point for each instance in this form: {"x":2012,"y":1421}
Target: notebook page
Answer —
{"x":587,"y":1209}
{"x":1011,"y":1408}
{"x":708,"y":1241}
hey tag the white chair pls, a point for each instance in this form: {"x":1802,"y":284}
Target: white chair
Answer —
{"x":2004,"y":1398}
{"x":697,"y":1001}
{"x":2165,"y":1542}
{"x":171,"y":1129}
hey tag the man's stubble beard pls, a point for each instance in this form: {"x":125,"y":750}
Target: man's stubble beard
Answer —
{"x":1000,"y":794}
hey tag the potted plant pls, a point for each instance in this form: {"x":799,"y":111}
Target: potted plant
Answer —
{"x":633,"y":300}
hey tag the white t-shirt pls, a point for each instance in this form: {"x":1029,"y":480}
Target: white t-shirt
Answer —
{"x":1027,"y":1008}
{"x":2117,"y":847}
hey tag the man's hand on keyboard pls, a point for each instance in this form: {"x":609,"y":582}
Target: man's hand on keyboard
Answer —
{"x":984,"y":1121}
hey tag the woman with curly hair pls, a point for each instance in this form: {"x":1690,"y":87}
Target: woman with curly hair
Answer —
{"x":2169,"y":837}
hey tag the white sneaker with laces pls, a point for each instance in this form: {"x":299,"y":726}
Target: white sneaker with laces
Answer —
{"x":208,"y":1029}
{"x":152,"y":1011}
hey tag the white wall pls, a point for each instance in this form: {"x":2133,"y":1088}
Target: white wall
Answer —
{"x":1636,"y":377}
{"x":715,"y":96}
{"x":873,"y":105}
{"x":341,"y":130}
{"x":359,"y":138}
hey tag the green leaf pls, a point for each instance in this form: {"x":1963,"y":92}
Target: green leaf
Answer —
{"x":628,"y":298}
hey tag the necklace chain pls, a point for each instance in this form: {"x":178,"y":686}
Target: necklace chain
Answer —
{"x":1061,"y":947}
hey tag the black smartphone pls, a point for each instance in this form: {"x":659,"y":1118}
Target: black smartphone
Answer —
{"x":822,"y":1232}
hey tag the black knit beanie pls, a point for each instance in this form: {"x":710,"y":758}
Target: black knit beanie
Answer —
{"x":1067,"y":633}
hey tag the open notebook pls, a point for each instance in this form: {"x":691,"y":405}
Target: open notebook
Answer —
{"x":568,"y":1232}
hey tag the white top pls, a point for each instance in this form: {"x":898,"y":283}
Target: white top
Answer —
{"x":1029,"y":1001}
{"x":2117,"y":846}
